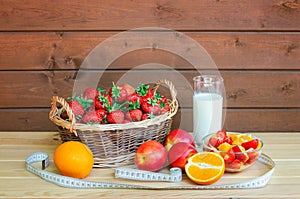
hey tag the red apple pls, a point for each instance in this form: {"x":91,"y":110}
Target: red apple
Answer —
{"x":178,"y":135}
{"x":179,"y":153}
{"x":151,"y":156}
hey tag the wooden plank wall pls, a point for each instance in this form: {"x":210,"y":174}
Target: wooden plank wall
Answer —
{"x":255,"y":44}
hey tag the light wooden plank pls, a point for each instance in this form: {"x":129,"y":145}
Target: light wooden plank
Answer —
{"x":35,"y":188}
{"x":21,"y":144}
{"x":16,"y":182}
{"x":284,"y":168}
{"x":52,"y":138}
{"x":20,"y":152}
{"x":29,"y":138}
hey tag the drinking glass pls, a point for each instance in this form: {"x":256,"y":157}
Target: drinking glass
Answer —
{"x":207,"y":105}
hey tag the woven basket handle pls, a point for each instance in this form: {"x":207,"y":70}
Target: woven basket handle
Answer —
{"x":173,"y":92}
{"x":54,"y":110}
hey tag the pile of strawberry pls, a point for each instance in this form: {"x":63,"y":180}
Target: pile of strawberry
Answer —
{"x":118,"y":105}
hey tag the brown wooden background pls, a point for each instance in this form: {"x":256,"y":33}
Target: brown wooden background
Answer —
{"x":255,"y":44}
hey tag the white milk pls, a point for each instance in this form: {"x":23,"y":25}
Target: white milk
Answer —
{"x":207,"y":109}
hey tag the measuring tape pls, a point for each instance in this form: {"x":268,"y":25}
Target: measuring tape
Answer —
{"x":135,"y":174}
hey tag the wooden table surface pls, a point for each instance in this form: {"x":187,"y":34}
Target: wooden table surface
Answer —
{"x":16,"y":182}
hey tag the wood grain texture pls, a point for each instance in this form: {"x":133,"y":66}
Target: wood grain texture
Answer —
{"x":179,"y":15}
{"x":229,"y":50}
{"x":255,"y":45}
{"x":254,"y":88}
{"x":16,"y":182}
{"x":246,"y":120}
{"x":241,"y":120}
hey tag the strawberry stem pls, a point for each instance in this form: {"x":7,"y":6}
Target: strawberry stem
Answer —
{"x":142,"y":90}
{"x":115,"y":91}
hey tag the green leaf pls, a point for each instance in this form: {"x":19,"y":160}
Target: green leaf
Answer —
{"x":115,"y":91}
{"x":152,"y":101}
{"x":100,"y":90}
{"x":157,"y":96}
{"x":162,"y":105}
{"x":84,"y":102}
{"x":142,"y":90}
{"x":134,"y":105}
{"x":151,"y":116}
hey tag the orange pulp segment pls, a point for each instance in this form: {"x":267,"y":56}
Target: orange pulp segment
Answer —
{"x":238,"y":139}
{"x":205,"y":167}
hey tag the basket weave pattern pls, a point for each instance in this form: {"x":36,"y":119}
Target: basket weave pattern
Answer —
{"x":114,"y":145}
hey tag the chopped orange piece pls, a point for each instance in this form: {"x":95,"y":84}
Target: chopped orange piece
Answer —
{"x":238,"y":139}
{"x":225,"y":147}
{"x":205,"y":167}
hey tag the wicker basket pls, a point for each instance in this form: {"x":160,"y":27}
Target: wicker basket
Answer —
{"x":114,"y":145}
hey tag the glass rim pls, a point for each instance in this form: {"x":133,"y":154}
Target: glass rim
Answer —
{"x":202,"y":78}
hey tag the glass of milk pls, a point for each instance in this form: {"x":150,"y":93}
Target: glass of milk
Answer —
{"x":207,"y":105}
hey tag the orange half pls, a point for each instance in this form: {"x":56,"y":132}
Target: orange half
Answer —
{"x":205,"y":167}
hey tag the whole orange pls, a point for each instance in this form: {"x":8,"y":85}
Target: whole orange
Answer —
{"x":73,"y":159}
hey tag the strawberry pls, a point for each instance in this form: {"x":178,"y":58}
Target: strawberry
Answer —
{"x":148,"y":108}
{"x":253,"y":154}
{"x":103,"y":101}
{"x":133,"y":98}
{"x":146,"y":116}
{"x":101,"y":113}
{"x":228,"y":140}
{"x":250,"y":144}
{"x":134,"y":103}
{"x":221,"y":135}
{"x":144,"y":91}
{"x":162,"y":101}
{"x":239,"y":154}
{"x":92,"y":117}
{"x":250,"y":161}
{"x":151,"y":106}
{"x":125,"y":121}
{"x":98,"y":104}
{"x":165,"y":109}
{"x":64,"y":115}
{"x":214,"y":141}
{"x":115,"y":117}
{"x":134,"y":115}
{"x":118,"y":93}
{"x":77,"y":108}
{"x":152,"y":102}
{"x":235,"y":164}
{"x":219,"y":138}
{"x":90,"y":93}
{"x":229,"y":156}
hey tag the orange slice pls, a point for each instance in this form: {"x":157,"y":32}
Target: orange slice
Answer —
{"x":205,"y":167}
